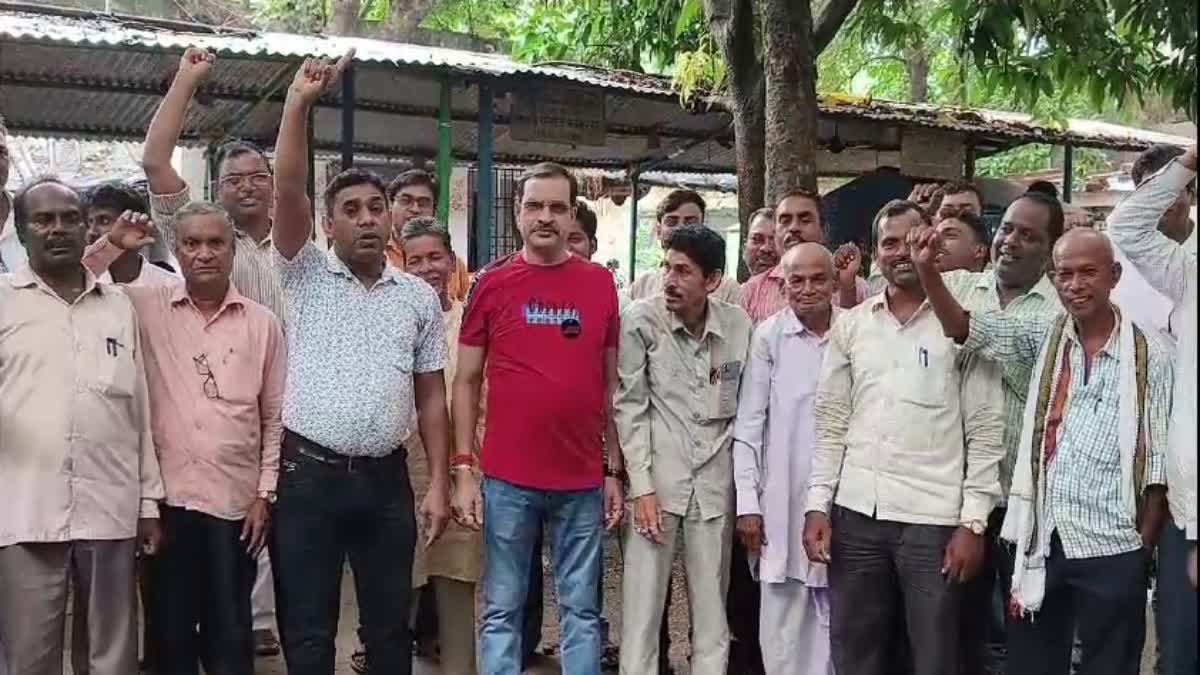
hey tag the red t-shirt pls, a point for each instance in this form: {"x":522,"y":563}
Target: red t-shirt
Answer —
{"x":545,"y":330}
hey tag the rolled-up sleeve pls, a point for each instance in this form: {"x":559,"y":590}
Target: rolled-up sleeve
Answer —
{"x":631,"y":405}
{"x":832,"y":414}
{"x":982,"y":402}
{"x":749,"y":429}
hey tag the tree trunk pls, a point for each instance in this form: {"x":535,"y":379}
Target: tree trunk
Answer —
{"x":732,"y":23}
{"x":344,"y":18}
{"x":791,"y":97}
{"x":916,"y":60}
{"x":405,"y":17}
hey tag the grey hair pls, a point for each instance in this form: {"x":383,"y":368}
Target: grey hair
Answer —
{"x":423,"y":226}
{"x":203,"y":208}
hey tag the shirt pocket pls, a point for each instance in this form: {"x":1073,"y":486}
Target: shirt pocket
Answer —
{"x":239,"y":375}
{"x":116,"y":369}
{"x":926,"y":378}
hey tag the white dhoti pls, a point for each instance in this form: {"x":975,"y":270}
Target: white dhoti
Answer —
{"x":706,"y":551}
{"x":794,"y":629}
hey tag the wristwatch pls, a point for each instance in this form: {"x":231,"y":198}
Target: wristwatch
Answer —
{"x":976,"y":527}
{"x":268,"y":496}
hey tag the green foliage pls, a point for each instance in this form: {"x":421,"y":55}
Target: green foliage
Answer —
{"x":296,"y":16}
{"x":1029,"y":159}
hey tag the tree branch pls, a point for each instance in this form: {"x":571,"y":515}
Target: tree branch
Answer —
{"x":833,"y":17}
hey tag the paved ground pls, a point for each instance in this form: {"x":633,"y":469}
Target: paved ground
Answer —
{"x":679,"y":621}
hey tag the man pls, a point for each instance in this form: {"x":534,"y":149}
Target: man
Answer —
{"x":797,"y":221}
{"x":215,"y":374}
{"x":545,"y":325}
{"x":414,"y":194}
{"x":366,"y":344}
{"x":1017,"y":286}
{"x":449,"y":570}
{"x":760,"y":254}
{"x":964,"y":243}
{"x":1150,"y":308}
{"x":1146,"y":226}
{"x":80,"y":478}
{"x":12,"y":253}
{"x":679,"y":208}
{"x":244,"y":190}
{"x":1087,"y":500}
{"x":103,"y":206}
{"x":940,"y":202}
{"x":908,"y":443}
{"x":581,"y":241}
{"x":681,"y":361}
{"x":774,"y":440}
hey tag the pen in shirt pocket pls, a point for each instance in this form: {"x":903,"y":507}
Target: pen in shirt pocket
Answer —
{"x":111,"y":345}
{"x":923,"y":357}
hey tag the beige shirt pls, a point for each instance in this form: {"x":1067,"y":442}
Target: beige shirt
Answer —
{"x":649,"y":284}
{"x":676,"y":403}
{"x":899,"y":425}
{"x":76,"y":456}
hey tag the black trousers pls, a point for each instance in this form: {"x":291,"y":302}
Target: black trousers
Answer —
{"x":1101,"y":599}
{"x":330,"y":510}
{"x":203,"y":576}
{"x":882,"y":570}
{"x":743,"y":602}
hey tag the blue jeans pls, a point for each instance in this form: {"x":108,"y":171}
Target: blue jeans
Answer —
{"x":512,"y":519}
{"x":1176,"y":611}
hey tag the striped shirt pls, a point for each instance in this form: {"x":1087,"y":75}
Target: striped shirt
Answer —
{"x":977,"y":292}
{"x":1083,"y":483}
{"x":253,"y":267}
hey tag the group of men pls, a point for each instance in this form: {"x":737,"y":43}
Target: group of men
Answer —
{"x":854,"y":468}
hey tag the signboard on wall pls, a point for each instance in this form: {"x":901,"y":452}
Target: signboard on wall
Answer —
{"x":558,"y":114}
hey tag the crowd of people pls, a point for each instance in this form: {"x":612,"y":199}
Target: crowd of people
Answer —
{"x":968,"y":460}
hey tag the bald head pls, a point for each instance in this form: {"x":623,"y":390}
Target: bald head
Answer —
{"x":1085,"y":273}
{"x":809,"y":280}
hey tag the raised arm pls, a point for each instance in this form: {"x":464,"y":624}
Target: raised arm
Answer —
{"x":293,"y":210}
{"x":924,"y":244}
{"x":1133,"y":227}
{"x":167,"y":125}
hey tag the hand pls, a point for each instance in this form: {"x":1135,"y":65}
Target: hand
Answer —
{"x":614,"y":502}
{"x":150,"y":536}
{"x":196,"y":65}
{"x":1155,"y":513}
{"x":848,"y":261}
{"x":964,"y":556}
{"x":924,"y":195}
{"x":255,"y":527}
{"x":648,"y":518}
{"x":1188,"y":160}
{"x":132,"y":231}
{"x":466,"y":503}
{"x":750,"y":531}
{"x":435,"y":512}
{"x":924,"y":246}
{"x":317,"y":76}
{"x":818,"y":535}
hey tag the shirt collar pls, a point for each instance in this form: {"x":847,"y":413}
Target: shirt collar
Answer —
{"x":712,"y":323}
{"x":338,"y":266}
{"x":1044,"y":288}
{"x":25,"y":277}
{"x":266,"y":241}
{"x":793,"y":326}
{"x":1110,"y":345}
{"x":180,"y":295}
{"x":776,"y":272}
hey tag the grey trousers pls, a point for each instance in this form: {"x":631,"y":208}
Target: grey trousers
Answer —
{"x":871,"y":560}
{"x":33,"y":606}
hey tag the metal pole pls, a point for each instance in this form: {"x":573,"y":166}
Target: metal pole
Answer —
{"x":633,"y":224}
{"x":443,"y":158}
{"x":349,"y":102}
{"x":485,"y":175}
{"x":1068,"y":172}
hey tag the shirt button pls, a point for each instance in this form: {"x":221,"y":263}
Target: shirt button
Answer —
{"x":696,"y":417}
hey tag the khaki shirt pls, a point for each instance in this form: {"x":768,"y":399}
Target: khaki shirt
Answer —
{"x":77,"y":458}
{"x":676,"y":404}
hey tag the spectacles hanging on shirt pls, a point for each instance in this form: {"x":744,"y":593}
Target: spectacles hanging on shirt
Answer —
{"x":210,"y":380}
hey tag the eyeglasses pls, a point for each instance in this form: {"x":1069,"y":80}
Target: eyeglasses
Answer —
{"x":210,"y":381}
{"x":236,"y":180}
{"x":406,"y":201}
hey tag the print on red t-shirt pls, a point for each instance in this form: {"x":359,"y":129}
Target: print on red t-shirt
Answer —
{"x":545,"y":330}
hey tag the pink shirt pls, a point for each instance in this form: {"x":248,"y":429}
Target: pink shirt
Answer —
{"x":217,"y":438}
{"x":763,"y":296}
